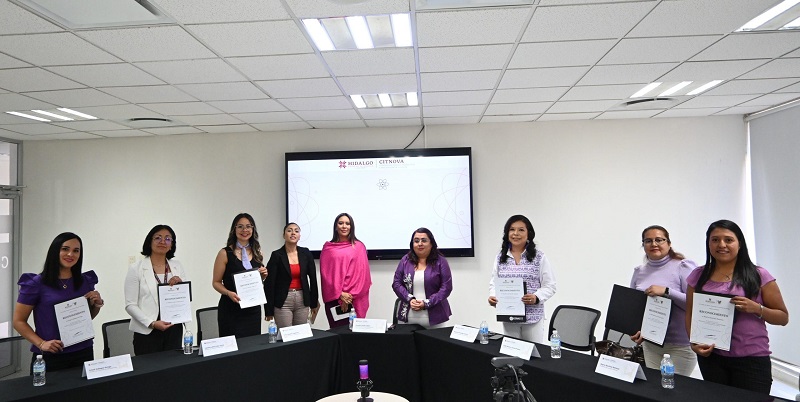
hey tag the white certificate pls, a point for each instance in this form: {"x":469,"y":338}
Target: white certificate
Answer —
{"x":656,"y":319}
{"x":620,"y":369}
{"x":174,"y":302}
{"x":74,"y":321}
{"x":712,"y":320}
{"x":249,"y":288}
{"x":296,"y":332}
{"x":509,"y":292}
{"x":106,"y":367}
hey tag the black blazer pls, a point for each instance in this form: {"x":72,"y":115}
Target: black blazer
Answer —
{"x":276,"y":287}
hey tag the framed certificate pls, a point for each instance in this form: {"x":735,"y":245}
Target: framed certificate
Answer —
{"x":510,"y":307}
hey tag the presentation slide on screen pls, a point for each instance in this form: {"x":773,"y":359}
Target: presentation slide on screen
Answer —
{"x":388,"y":198}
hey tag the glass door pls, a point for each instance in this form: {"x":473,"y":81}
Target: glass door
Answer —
{"x":10,"y":194}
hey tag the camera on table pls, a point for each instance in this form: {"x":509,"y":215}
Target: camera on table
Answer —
{"x":506,"y":384}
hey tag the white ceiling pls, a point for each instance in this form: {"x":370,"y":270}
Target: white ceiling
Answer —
{"x":246,"y":65}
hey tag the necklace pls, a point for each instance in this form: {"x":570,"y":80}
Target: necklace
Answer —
{"x":63,"y":284}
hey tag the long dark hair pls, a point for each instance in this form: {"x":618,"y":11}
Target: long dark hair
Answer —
{"x":351,"y":237}
{"x":254,"y":244}
{"x":530,"y":248}
{"x":672,"y":253}
{"x":432,"y":257}
{"x":745,"y":273}
{"x":52,"y":263}
{"x":147,"y":246}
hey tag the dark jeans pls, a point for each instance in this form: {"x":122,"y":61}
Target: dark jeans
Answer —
{"x":60,"y":361}
{"x":753,"y":373}
{"x":158,"y":341}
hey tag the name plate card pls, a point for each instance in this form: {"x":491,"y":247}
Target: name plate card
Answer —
{"x":620,"y":369}
{"x":106,"y":367}
{"x":216,"y":346}
{"x":518,"y":348}
{"x":464,"y":333}
{"x":369,"y":325}
{"x":296,"y":332}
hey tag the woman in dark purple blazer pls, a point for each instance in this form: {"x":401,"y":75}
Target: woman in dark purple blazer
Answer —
{"x":423,"y":282}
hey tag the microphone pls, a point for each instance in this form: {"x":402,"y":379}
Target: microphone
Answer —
{"x":364,"y":384}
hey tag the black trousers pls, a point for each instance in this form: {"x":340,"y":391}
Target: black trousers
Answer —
{"x":158,"y":341}
{"x":753,"y":373}
{"x":60,"y":361}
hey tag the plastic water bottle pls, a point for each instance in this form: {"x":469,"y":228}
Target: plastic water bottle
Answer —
{"x":39,"y":371}
{"x":483,"y":335}
{"x":352,"y":317}
{"x":555,"y":345}
{"x":188,"y":342}
{"x":667,"y":372}
{"x":272,"y":334}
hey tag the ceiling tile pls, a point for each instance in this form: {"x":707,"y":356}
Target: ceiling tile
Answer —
{"x":752,"y":45}
{"x":579,"y":22}
{"x":75,"y":135}
{"x":301,"y":88}
{"x":775,"y":69}
{"x":625,"y":74}
{"x":627,"y":114}
{"x":16,"y":102}
{"x":148,"y":44}
{"x":456,"y":98}
{"x":517,"y":108}
{"x":714,"y":101}
{"x":528,"y":95}
{"x":118,"y":112}
{"x":509,"y":119}
{"x":337,"y":123}
{"x":149,"y":94}
{"x":229,"y":128}
{"x":710,"y":70}
{"x":122,"y":133}
{"x":452,"y":111}
{"x":10,"y":62}
{"x":582,"y":106}
{"x":73,"y":98}
{"x":248,"y":106}
{"x":172,"y":130}
{"x":566,"y":116}
{"x":6,"y":118}
{"x":657,"y":50}
{"x":91,"y":125}
{"x":280,"y":67}
{"x":541,"y":77}
{"x":15,"y":136}
{"x":470,"y":27}
{"x":792,"y":88}
{"x":281,"y":126}
{"x":192,"y":71}
{"x":796,"y":53}
{"x":36,"y":129}
{"x":463,"y":58}
{"x":741,"y":110}
{"x":708,"y":111}
{"x":317,"y":9}
{"x":54,"y":49}
{"x":432,"y":121}
{"x":371,"y":61}
{"x":555,"y":54}
{"x":16,"y":20}
{"x":394,"y":123}
{"x":317,"y":115}
{"x":398,"y":83}
{"x":223,"y":91}
{"x":771,"y":99}
{"x":390,"y":113}
{"x":321,"y":103}
{"x":253,"y":38}
{"x":271,"y":117}
{"x":182,"y":108}
{"x":459,"y":81}
{"x":601,"y":92}
{"x":33,"y":79}
{"x":107,"y":75}
{"x":741,"y":87}
{"x":210,"y":11}
{"x":208,"y":119}
{"x":698,"y":17}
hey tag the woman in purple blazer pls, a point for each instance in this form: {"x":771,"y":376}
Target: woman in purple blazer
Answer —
{"x":423,"y":282}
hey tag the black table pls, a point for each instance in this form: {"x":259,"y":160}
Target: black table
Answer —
{"x":392,"y":360}
{"x":453,"y":370}
{"x":303,"y":370}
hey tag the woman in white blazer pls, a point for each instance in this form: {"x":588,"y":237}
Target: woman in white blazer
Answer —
{"x":150,"y":333}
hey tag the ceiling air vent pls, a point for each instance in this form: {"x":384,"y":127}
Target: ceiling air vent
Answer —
{"x":647,"y":103}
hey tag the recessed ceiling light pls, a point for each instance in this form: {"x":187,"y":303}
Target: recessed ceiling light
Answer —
{"x":675,"y":88}
{"x":412,"y":99}
{"x":793,"y":25}
{"x":649,"y":87}
{"x":358,"y":101}
{"x":27,"y":116}
{"x":318,"y":34}
{"x":97,"y":13}
{"x":385,"y":100}
{"x":768,"y":15}
{"x":705,"y":87}
{"x":360,"y":30}
{"x":57,"y":116}
{"x":401,"y":27}
{"x":76,"y":113}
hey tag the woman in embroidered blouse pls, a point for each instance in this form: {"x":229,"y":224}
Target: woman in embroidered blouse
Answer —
{"x":150,"y":333}
{"x":423,"y":272}
{"x":519,"y":258}
{"x":757,"y":299}
{"x":664,"y":274}
{"x":241,"y":253}
{"x":61,"y":280}
{"x":344,"y":271}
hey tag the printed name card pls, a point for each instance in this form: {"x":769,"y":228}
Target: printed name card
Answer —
{"x":369,"y":325}
{"x":464,"y":333}
{"x":620,"y":369}
{"x":216,"y":346}
{"x":296,"y":332}
{"x":518,"y":348}
{"x":106,"y":367}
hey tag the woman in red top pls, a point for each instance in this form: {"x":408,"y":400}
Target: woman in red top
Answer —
{"x":291,"y":285}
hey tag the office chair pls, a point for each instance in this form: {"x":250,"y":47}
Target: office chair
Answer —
{"x":117,"y":338}
{"x":575,"y":325}
{"x":618,"y":337}
{"x":207,"y":327}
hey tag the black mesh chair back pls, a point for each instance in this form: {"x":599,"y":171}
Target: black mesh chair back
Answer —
{"x":117,"y":338}
{"x":623,"y":340}
{"x":207,"y":327}
{"x":395,"y":310}
{"x":575,"y":325}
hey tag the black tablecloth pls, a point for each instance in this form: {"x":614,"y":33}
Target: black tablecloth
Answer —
{"x":303,"y":370}
{"x":392,"y":360}
{"x":452,"y":370}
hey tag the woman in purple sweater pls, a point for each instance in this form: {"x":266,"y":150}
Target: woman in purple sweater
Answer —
{"x":664,"y":274}
{"x":423,"y":282}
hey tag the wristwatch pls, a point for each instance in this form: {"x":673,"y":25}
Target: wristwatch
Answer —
{"x":666,"y":292}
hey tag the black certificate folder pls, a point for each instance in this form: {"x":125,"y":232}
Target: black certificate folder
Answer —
{"x":626,"y":310}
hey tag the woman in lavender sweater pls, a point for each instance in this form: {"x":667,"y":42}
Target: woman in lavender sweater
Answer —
{"x":664,"y":274}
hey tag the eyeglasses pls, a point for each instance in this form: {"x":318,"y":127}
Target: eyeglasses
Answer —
{"x":243,"y":227}
{"x":159,"y":239}
{"x":658,"y":241}
{"x":423,"y":240}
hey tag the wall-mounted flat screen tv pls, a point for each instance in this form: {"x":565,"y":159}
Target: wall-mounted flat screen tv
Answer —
{"x":389,"y":194}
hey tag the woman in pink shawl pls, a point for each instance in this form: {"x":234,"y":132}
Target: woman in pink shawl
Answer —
{"x":344,"y":272}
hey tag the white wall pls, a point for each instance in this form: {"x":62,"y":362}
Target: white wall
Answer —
{"x":589,"y":187}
